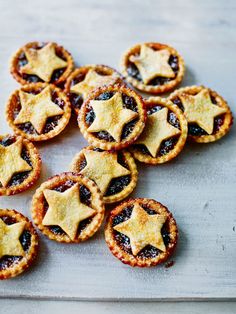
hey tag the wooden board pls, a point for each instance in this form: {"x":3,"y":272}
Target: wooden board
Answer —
{"x":198,"y":187}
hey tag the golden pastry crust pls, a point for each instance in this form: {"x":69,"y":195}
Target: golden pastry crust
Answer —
{"x":147,"y":158}
{"x":128,"y":257}
{"x":26,"y":261}
{"x":60,"y":51}
{"x":80,"y":158}
{"x":33,"y":174}
{"x":13,"y":105}
{"x":227,"y":120}
{"x":152,"y":89}
{"x":133,"y":135}
{"x":81,"y":73}
{"x":38,"y":209}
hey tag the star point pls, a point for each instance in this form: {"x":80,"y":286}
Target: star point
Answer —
{"x":143,"y":229}
{"x":36,"y":109}
{"x":151,"y":63}
{"x":9,"y":239}
{"x":42,"y":62}
{"x":156,"y":130}
{"x":111,"y":116}
{"x":66,"y":210}
{"x":11,"y":162}
{"x":200,"y":109}
{"x":102,"y":167}
{"x":91,"y":81}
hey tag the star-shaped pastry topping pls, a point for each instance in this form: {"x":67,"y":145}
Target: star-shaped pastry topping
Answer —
{"x":151,"y":63}
{"x":42,"y":62}
{"x":66,"y":210}
{"x":9,"y":239}
{"x":91,"y":81}
{"x":111,"y":116}
{"x":36,"y":109}
{"x":143,"y":229}
{"x":11,"y":162}
{"x":102,"y":167}
{"x":200,"y":109}
{"x":157,"y":129}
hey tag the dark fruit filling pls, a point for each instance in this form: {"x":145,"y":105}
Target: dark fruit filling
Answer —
{"x":124,"y":242}
{"x":22,"y":60}
{"x":85,"y":197}
{"x":51,"y":123}
{"x":17,"y":178}
{"x":193,"y":128}
{"x":76,"y":100}
{"x":25,"y":240}
{"x":166,"y":145}
{"x":117,"y":184}
{"x":159,"y":80}
{"x":128,"y":103}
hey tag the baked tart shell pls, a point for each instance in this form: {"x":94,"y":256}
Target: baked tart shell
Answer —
{"x":74,"y":167}
{"x":130,"y":259}
{"x":221,"y":102}
{"x":148,"y":159}
{"x":33,"y":175}
{"x":104,"y":144}
{"x":31,"y":254}
{"x":151,"y":89}
{"x":63,"y":121}
{"x":19,"y":78}
{"x":37,"y":207}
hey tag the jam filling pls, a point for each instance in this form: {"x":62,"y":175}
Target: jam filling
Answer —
{"x":75,"y":99}
{"x":51,"y":122}
{"x":22,"y":60}
{"x":85,"y":197}
{"x":17,"y":178}
{"x":117,"y":184}
{"x":25,"y":240}
{"x":166,"y":145}
{"x":124,"y":242}
{"x":159,"y":80}
{"x":193,"y":128}
{"x":128,"y":103}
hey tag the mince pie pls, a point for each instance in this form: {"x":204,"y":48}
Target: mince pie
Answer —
{"x":112,"y":117}
{"x":141,"y":232}
{"x":68,"y":208}
{"x":164,"y":135}
{"x":115,"y":173}
{"x":20,"y":164}
{"x":38,"y":111}
{"x":153,"y":67}
{"x":208,"y":115}
{"x":41,"y":62}
{"x":18,"y":243}
{"x":85,"y":79}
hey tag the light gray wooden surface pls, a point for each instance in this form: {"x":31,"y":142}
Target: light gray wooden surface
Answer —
{"x":198,"y":187}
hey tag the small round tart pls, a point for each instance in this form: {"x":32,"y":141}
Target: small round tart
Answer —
{"x":153,"y":67}
{"x":141,"y":232}
{"x":115,"y":173}
{"x":18,"y":243}
{"x":85,"y":79}
{"x":208,"y":115}
{"x":38,"y":111}
{"x":112,"y":117}
{"x":41,"y":62}
{"x":164,"y":135}
{"x":68,"y":208}
{"x":20,"y":164}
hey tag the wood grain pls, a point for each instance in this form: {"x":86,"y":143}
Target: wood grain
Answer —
{"x":198,"y":187}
